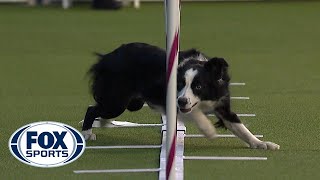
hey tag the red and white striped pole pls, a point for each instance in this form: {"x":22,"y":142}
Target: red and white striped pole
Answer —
{"x":172,"y":12}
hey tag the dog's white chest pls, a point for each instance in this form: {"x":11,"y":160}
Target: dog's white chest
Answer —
{"x":207,"y":106}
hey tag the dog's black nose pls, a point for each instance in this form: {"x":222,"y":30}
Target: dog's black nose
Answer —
{"x":182,"y":101}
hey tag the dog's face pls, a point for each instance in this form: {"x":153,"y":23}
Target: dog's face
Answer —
{"x":200,"y":80}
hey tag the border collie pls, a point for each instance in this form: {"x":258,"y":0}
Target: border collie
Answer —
{"x":135,"y":73}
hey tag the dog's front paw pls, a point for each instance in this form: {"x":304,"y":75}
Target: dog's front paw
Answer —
{"x":209,"y":133}
{"x":88,"y":135}
{"x":265,"y":145}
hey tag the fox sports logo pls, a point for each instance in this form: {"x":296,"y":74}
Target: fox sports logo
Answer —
{"x":47,"y":144}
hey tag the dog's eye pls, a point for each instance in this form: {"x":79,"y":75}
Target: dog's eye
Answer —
{"x":198,"y":87}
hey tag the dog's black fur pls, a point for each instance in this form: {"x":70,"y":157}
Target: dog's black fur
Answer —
{"x":135,"y":73}
{"x":126,"y":78}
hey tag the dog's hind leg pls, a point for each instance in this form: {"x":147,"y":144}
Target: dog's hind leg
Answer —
{"x":111,"y":110}
{"x":91,"y":114}
{"x":233,"y":123}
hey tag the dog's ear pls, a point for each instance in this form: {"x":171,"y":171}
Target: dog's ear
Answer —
{"x":188,"y":53}
{"x":218,"y":68}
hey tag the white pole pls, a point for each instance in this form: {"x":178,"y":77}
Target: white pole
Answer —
{"x":136,"y":4}
{"x":66,"y":4}
{"x":172,"y":11}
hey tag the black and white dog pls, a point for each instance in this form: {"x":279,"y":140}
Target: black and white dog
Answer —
{"x":135,"y":73}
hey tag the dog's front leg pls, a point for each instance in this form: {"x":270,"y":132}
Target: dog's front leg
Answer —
{"x":203,"y":123}
{"x":243,"y":133}
{"x":233,"y":123}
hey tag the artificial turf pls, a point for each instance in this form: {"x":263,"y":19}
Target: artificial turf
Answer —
{"x":45,"y":53}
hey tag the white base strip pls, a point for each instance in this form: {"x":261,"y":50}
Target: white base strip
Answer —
{"x":131,"y":124}
{"x":125,"y":147}
{"x":219,"y":136}
{"x":225,"y":158}
{"x":237,"y":84}
{"x":240,"y":98}
{"x":239,"y":115}
{"x":118,"y":124}
{"x":116,"y":171}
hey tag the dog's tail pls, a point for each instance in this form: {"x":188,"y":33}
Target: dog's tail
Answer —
{"x":93,"y":69}
{"x":96,"y":73}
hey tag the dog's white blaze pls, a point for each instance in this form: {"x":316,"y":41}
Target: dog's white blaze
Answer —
{"x":186,"y":90}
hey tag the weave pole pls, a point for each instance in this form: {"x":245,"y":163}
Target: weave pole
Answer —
{"x":172,"y":13}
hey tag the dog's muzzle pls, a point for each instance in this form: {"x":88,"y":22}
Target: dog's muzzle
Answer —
{"x":182,"y":104}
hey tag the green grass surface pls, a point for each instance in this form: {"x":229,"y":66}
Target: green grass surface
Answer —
{"x":273,"y":47}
